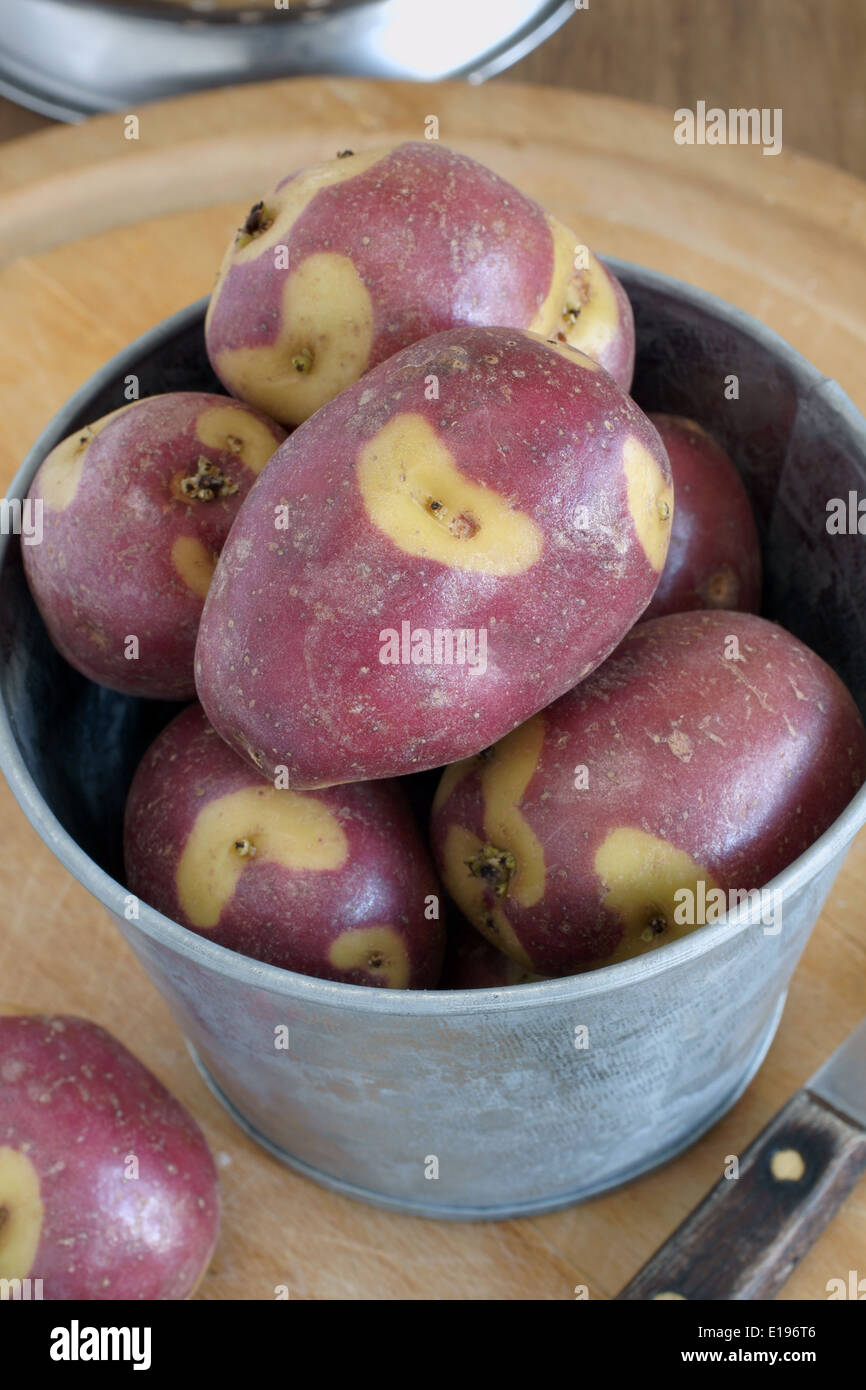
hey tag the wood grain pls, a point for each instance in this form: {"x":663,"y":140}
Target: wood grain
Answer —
{"x":102,"y":240}
{"x":804,"y":57}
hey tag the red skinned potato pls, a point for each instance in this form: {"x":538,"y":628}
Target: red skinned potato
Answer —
{"x":473,"y":962}
{"x":714,"y":557}
{"x":525,"y":504}
{"x":107,"y":1187}
{"x":337,"y":884}
{"x":136,"y":508}
{"x":344,"y":264}
{"x":705,"y":755}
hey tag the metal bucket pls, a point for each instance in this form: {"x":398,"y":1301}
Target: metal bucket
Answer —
{"x":481,"y":1103}
{"x":69,"y":58}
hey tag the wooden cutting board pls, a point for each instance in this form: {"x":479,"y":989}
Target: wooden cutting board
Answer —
{"x":100,"y":237}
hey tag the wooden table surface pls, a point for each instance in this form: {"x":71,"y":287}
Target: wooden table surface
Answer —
{"x":100,"y":237}
{"x":802,"y":56}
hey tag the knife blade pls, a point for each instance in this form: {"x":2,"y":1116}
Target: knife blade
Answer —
{"x":841,"y":1081}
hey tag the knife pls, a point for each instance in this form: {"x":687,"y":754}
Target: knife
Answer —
{"x":750,"y":1232}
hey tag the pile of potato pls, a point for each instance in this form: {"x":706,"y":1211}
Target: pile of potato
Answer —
{"x":447,"y":563}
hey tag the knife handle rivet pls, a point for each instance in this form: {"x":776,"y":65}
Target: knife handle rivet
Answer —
{"x":787,"y":1165}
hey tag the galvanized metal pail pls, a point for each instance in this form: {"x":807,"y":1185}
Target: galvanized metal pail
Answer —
{"x":496,"y":1086}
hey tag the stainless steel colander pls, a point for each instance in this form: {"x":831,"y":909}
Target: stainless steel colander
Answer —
{"x":70,"y":58}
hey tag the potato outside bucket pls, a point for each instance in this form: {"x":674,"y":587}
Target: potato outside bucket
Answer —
{"x":498,"y":1102}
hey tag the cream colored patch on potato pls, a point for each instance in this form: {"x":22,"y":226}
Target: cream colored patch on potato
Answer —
{"x":641,"y":873}
{"x":322,"y":345}
{"x":688,"y":424}
{"x":234,"y":430}
{"x":380,"y":951}
{"x":650,"y":501}
{"x":60,"y":473}
{"x":285,"y":205}
{"x":194,"y":563}
{"x":416,"y":495}
{"x":581,"y":303}
{"x":21,"y":1214}
{"x":253,"y":826}
{"x":467,"y":889}
{"x":504,"y":780}
{"x":451,"y":778}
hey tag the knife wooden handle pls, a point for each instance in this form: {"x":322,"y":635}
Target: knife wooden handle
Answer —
{"x":749,"y":1232}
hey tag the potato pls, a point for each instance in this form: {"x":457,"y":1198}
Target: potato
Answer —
{"x":705,"y":755}
{"x":482,"y":482}
{"x":714,"y":558}
{"x":107,"y":1187}
{"x":337,"y":884}
{"x":344,"y":264}
{"x":473,"y":962}
{"x":135,"y":509}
